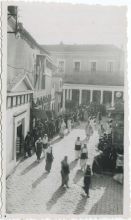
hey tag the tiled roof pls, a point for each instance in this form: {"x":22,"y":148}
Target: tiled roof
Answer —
{"x":98,"y":78}
{"x":19,"y":74}
{"x":80,"y":47}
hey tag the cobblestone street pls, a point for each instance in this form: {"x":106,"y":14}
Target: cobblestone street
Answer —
{"x":31,"y":190}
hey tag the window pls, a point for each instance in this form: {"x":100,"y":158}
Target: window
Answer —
{"x":77,"y":66}
{"x":110,"y":66}
{"x":61,"y":66}
{"x":93,"y":66}
{"x":26,"y":98}
{"x":18,"y":100}
{"x":22,"y":99}
{"x":9,"y":102}
{"x":29,"y":98}
{"x":14,"y":101}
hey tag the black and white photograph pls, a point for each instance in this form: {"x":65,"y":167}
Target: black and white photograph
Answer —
{"x":65,"y":108}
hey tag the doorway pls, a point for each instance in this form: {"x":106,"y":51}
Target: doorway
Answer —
{"x":19,"y":140}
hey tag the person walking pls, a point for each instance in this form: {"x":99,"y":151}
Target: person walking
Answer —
{"x":39,"y":146}
{"x":83,"y":157}
{"x":69,"y":125}
{"x":49,"y":158}
{"x":77,"y":148}
{"x":87,"y":130}
{"x":87,"y":180}
{"x":62,"y":128}
{"x":28,"y":144}
{"x":45,"y":144}
{"x":65,"y":170}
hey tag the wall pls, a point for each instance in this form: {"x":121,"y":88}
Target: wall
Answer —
{"x":11,"y":132}
{"x":101,"y":58}
{"x":57,"y":103}
{"x":58,"y":83}
{"x":20,"y":55}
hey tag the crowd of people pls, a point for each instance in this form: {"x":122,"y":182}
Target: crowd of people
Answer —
{"x":106,"y":160}
{"x":44,"y":131}
{"x":52,"y":127}
{"x":39,"y":141}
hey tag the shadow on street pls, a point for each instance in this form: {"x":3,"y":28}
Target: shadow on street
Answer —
{"x":79,"y":174}
{"x":97,"y":183}
{"x":40,"y":179}
{"x":31,"y":166}
{"x":73,"y":164}
{"x":106,"y":181}
{"x":80,"y":208}
{"x":57,"y":194}
{"x":56,"y":140}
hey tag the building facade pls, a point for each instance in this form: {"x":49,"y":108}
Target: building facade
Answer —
{"x":29,"y":80}
{"x":58,"y":93}
{"x":91,"y":73}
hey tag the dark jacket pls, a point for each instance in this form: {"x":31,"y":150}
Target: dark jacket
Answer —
{"x":39,"y":146}
{"x":87,"y":178}
{"x":65,"y":168}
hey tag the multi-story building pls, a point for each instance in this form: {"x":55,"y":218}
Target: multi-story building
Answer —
{"x":43,"y":82}
{"x":58,"y":93}
{"x":90,"y":72}
{"x":29,"y":78}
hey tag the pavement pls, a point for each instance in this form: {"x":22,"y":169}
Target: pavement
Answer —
{"x":30,"y":190}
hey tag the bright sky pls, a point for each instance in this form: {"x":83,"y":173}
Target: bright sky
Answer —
{"x":51,"y":23}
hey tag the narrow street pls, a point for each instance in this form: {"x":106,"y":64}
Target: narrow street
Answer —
{"x":31,"y":190}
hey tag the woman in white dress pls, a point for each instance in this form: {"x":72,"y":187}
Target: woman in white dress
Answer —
{"x":62,"y":128}
{"x":87,"y":130}
{"x":69,"y":125}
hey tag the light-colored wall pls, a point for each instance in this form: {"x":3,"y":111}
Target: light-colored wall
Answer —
{"x":20,"y":55}
{"x":48,"y":84}
{"x":11,"y":131}
{"x":85,"y":58}
{"x":58,"y":95}
{"x":57,"y":80}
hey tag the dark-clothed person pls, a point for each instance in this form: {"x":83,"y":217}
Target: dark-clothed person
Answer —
{"x":39,"y":146}
{"x":49,"y":159}
{"x":77,"y":148}
{"x":65,"y":170}
{"x":28,"y":144}
{"x":87,"y":180}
